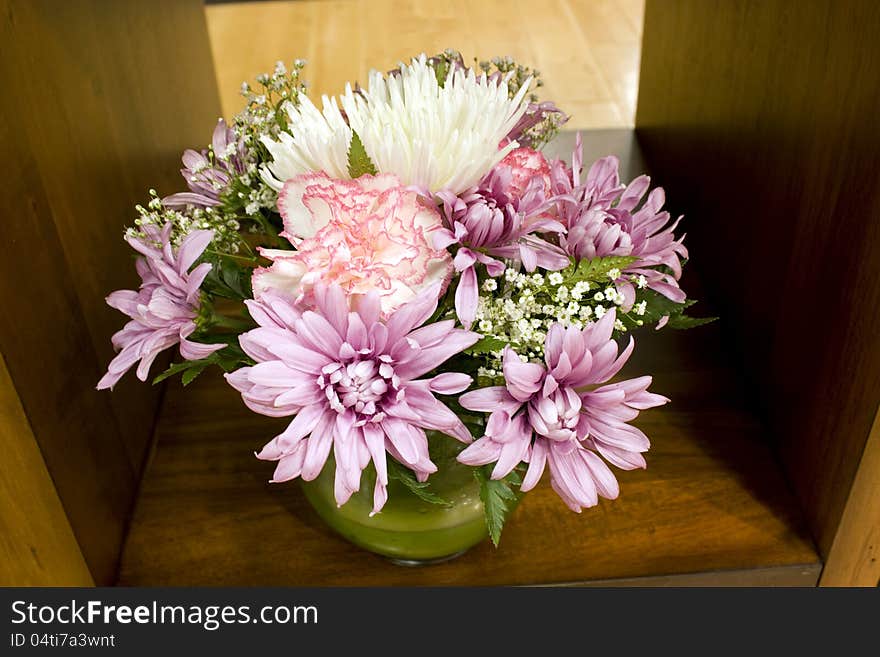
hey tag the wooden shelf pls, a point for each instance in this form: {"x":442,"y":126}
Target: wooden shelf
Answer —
{"x":712,"y":499}
{"x":712,"y":507}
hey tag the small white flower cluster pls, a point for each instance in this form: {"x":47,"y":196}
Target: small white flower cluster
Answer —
{"x":265,"y":114}
{"x":226,"y":236}
{"x":518,"y":309}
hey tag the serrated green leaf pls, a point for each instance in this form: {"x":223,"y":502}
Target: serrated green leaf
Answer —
{"x":230,"y":358}
{"x":596,"y":270}
{"x":496,"y":495}
{"x":190,"y":374}
{"x":359,"y":162}
{"x":487,"y":345}
{"x":175,"y":368}
{"x":420,"y":489}
{"x":228,"y":279}
{"x":441,"y":70}
{"x":685,"y":322}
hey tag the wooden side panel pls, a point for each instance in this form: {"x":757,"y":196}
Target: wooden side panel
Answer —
{"x":99,"y":100}
{"x":759,"y":116}
{"x":854,"y":559}
{"x":37,"y":546}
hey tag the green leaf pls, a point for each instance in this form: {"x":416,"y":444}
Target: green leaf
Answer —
{"x":497,"y":496}
{"x":192,"y":373}
{"x":228,"y":279}
{"x":685,"y":322}
{"x":658,"y":306}
{"x":176,"y":368}
{"x":230,"y":358}
{"x":596,"y":270}
{"x":441,"y":70}
{"x":404,"y":475}
{"x":359,"y":162}
{"x":487,"y":345}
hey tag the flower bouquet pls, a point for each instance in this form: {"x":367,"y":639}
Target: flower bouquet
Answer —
{"x":440,"y":309}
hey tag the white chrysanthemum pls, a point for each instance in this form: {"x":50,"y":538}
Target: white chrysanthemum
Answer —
{"x":318,"y":142}
{"x":430,"y":136}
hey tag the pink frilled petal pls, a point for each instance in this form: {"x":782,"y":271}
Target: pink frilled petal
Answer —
{"x":663,"y":321}
{"x":283,"y":278}
{"x":365,"y":235}
{"x":467,"y":297}
{"x":299,"y":220}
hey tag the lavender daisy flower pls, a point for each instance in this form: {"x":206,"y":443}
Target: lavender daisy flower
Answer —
{"x":163,"y":311}
{"x":563,"y":413}
{"x":500,"y":218}
{"x":351,"y":380}
{"x":605,"y":218}
{"x":206,"y":180}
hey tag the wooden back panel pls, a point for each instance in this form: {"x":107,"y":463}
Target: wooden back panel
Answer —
{"x":760,"y":117}
{"x":99,"y":99}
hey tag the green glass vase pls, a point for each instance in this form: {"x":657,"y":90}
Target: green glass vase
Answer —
{"x":409,"y":530}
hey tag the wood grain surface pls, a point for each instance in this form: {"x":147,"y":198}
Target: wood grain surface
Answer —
{"x":761,"y":115}
{"x":712,"y":498}
{"x":37,"y":546}
{"x":854,"y":559}
{"x":96,"y":110}
{"x":587,"y":50}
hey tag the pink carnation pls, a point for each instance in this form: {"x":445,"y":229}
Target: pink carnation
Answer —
{"x":524,"y":165}
{"x":369,"y":235}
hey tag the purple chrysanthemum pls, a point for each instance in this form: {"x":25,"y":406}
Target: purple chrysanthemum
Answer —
{"x":351,"y":380}
{"x":206,"y":180}
{"x":163,"y":311}
{"x":500,"y":218}
{"x":605,"y":218}
{"x":561,"y":414}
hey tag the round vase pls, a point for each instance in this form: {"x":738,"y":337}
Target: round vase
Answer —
{"x":409,"y":530}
